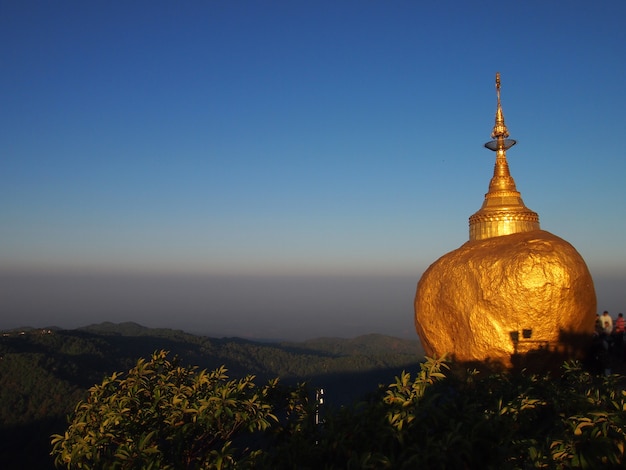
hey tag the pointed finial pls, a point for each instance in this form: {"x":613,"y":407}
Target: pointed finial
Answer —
{"x":499,"y":129}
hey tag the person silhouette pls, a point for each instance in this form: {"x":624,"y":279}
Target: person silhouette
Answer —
{"x":607,"y":322}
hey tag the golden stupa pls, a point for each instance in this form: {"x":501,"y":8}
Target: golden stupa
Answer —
{"x":513,"y":292}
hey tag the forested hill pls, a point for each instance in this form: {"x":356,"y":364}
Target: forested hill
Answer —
{"x":300,"y":360}
{"x":45,"y":372}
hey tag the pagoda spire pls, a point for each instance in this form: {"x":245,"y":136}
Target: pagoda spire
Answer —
{"x":503,"y":211}
{"x":499,"y":128}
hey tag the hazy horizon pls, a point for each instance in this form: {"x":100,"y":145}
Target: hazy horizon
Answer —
{"x":289,"y":169}
{"x":255,"y":307}
{"x":252,"y":306}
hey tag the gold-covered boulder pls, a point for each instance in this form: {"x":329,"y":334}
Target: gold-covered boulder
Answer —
{"x":495,"y":299}
{"x":513,"y":295}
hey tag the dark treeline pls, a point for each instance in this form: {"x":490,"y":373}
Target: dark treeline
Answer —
{"x":44,"y":373}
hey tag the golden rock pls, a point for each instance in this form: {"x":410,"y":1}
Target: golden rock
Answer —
{"x":512,"y":289}
{"x":492,"y":299}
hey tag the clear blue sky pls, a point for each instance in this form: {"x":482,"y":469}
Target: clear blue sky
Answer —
{"x":289,"y":169}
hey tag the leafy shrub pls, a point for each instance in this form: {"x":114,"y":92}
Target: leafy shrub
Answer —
{"x":162,"y":415}
{"x":165,"y":416}
{"x":442,"y":420}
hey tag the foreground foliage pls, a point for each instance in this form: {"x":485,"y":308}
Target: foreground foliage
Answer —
{"x":443,"y":420}
{"x":164,"y":416}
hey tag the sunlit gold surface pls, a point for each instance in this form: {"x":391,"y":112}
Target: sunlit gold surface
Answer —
{"x":470,"y":300}
{"x":512,"y":288}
